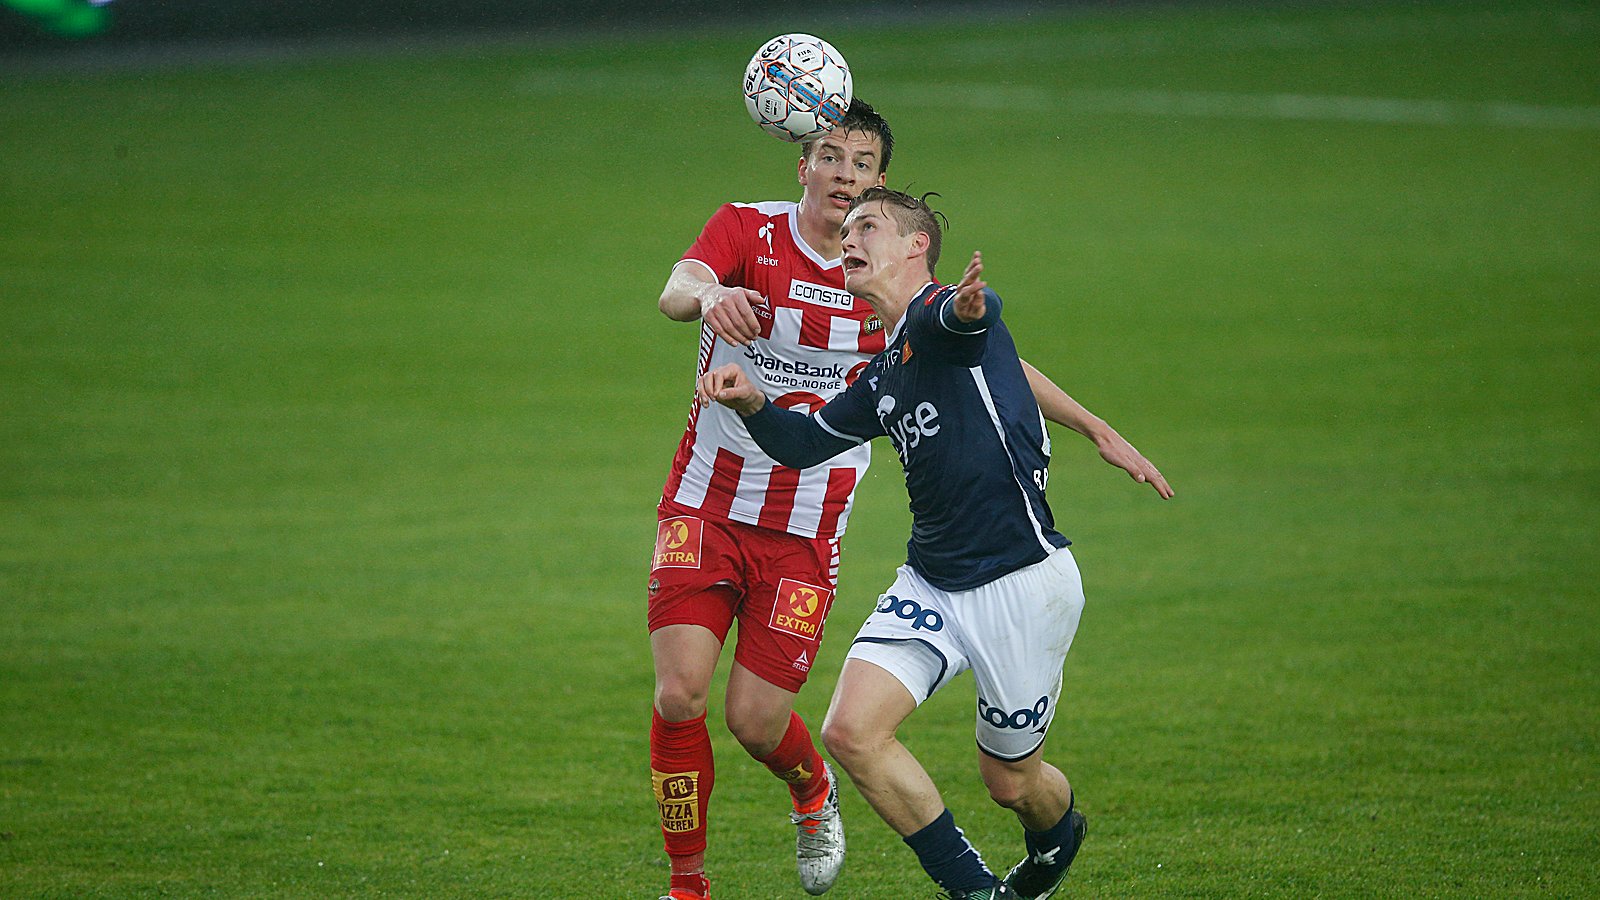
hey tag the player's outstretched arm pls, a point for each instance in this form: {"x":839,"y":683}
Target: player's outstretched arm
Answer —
{"x":1060,"y":408}
{"x":692,"y":293}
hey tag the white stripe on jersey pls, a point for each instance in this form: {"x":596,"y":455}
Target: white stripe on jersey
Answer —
{"x":786,"y":326}
{"x":843,"y":334}
{"x":718,"y":469}
{"x":1000,"y":431}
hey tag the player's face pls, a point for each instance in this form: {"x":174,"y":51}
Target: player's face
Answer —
{"x":874,"y":249}
{"x":839,"y":167}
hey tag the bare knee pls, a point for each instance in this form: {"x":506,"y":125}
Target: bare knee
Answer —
{"x":1008,"y":789}
{"x":850,"y":741}
{"x":679,"y":700}
{"x":1033,"y":789}
{"x":1013,"y":785}
{"x":757,"y":729}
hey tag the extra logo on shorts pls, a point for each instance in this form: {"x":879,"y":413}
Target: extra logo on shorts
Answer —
{"x":678,"y":543}
{"x":800,"y":609}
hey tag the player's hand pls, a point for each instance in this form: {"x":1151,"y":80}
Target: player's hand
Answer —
{"x":1115,"y":450}
{"x":969,"y":303}
{"x":729,"y":386}
{"x":730,"y":312}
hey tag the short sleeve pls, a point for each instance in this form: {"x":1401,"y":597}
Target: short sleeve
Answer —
{"x":720,"y":246}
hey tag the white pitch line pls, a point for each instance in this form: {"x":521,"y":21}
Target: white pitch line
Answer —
{"x":1215,"y":105}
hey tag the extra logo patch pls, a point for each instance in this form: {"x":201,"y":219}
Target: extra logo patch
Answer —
{"x":800,"y":609}
{"x":678,"y":543}
{"x":678,"y":796}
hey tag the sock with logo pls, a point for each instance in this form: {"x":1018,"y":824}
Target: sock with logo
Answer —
{"x":682,"y":773}
{"x":949,"y":858}
{"x":1058,"y":844}
{"x":797,"y":762}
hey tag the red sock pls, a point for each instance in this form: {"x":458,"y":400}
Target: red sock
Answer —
{"x":695,"y":884}
{"x":797,"y":761}
{"x":682,"y":773}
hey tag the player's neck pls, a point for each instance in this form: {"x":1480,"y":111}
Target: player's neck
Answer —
{"x":818,"y":232}
{"x":892,"y":301}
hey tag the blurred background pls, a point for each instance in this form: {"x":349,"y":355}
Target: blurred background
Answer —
{"x":35,"y":24}
{"x":335,"y":406}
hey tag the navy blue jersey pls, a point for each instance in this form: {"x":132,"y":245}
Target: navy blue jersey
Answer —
{"x":953,"y":399}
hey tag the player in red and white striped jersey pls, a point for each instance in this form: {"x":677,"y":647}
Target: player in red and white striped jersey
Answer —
{"x":741,"y":538}
{"x":811,"y":338}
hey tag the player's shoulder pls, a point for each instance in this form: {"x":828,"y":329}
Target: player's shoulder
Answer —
{"x":932,"y":296}
{"x":763,"y":209}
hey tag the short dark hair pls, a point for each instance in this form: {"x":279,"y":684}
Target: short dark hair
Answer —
{"x":862,"y":117}
{"x":910,"y":214}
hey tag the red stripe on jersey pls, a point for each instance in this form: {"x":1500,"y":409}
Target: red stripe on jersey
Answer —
{"x":815,"y":327}
{"x":724,"y":484}
{"x":841,"y":484}
{"x":780,"y":498}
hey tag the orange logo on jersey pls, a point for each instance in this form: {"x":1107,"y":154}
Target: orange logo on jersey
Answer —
{"x":678,"y":543}
{"x":800,"y":609}
{"x":678,"y":796}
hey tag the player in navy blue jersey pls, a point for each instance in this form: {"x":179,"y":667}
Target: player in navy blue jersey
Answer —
{"x":989,"y":584}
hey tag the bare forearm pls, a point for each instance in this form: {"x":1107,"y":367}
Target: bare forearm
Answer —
{"x":684,"y":297}
{"x":1059,"y":407}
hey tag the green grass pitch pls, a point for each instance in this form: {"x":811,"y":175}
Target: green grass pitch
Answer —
{"x":334,"y":405}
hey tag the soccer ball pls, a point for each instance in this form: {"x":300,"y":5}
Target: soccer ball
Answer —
{"x":797,"y":87}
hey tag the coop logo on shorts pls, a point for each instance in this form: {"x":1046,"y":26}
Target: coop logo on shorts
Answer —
{"x":1016,"y":720}
{"x":800,"y":608}
{"x":678,"y":796}
{"x":922,"y":618}
{"x":678,"y":543}
{"x":820,"y":294}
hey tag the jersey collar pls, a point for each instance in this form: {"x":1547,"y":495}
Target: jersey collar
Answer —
{"x":814,"y":256}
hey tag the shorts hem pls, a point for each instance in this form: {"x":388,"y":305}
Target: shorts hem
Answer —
{"x":938,"y":681}
{"x":1010,"y":759}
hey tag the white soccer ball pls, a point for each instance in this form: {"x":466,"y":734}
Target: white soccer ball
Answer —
{"x":797,"y":87}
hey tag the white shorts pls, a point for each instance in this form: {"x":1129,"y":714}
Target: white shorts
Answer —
{"x":1013,"y":633}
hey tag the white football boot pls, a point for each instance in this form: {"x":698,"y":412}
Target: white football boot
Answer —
{"x":819,"y":840}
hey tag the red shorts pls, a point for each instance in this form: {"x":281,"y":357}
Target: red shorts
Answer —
{"x":778,"y":586}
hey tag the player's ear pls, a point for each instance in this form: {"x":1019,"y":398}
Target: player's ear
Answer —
{"x":801,"y":168}
{"x":919,"y":244}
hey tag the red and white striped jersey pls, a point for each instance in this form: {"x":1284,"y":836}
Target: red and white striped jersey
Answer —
{"x":815,"y":339}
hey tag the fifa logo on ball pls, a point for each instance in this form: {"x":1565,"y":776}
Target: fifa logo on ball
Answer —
{"x":797,"y":87}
